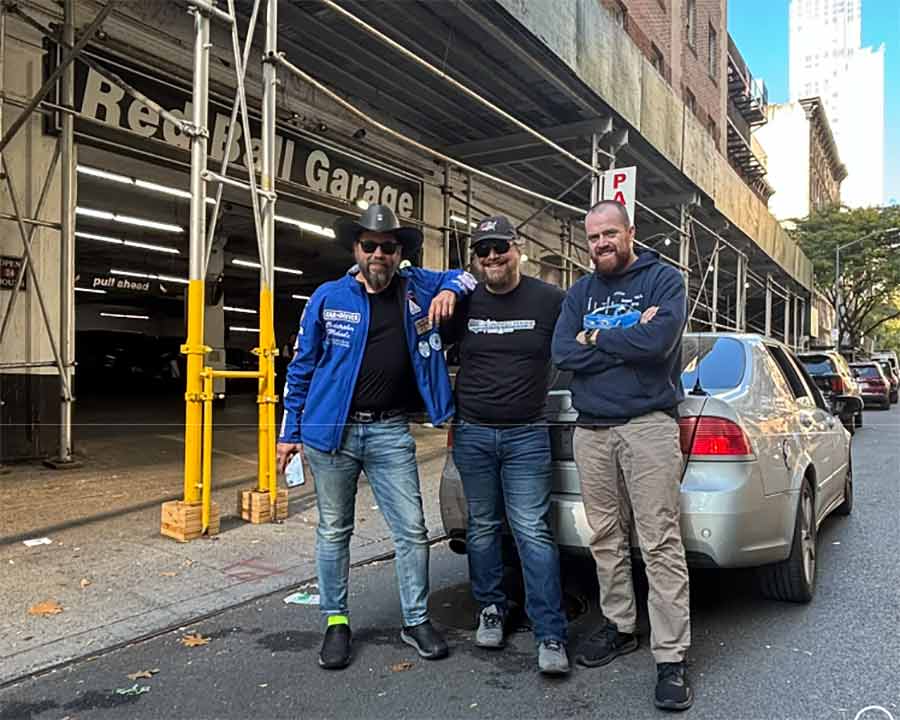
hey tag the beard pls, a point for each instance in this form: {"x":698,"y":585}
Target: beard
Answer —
{"x":378,"y":275}
{"x":499,"y":276}
{"x":611,"y":263}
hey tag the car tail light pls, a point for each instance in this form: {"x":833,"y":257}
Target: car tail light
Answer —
{"x":713,"y":436}
{"x":837,"y":385}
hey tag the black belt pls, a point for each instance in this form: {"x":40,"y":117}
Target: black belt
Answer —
{"x":370,"y":416}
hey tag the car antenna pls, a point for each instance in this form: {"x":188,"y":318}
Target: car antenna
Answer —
{"x":698,"y":390}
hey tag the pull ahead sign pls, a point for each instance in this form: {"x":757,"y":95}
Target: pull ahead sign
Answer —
{"x":107,"y":109}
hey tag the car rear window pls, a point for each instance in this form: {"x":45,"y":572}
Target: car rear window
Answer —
{"x":866,"y":371}
{"x":719,"y":363}
{"x":818,"y":364}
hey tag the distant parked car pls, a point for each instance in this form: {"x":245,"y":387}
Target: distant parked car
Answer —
{"x":834,"y":378}
{"x":893,"y":379}
{"x":873,"y":384}
{"x":766,"y":461}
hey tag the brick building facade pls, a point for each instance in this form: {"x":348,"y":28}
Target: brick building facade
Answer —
{"x":687,"y":42}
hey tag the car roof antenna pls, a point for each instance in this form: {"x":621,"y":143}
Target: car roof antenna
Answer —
{"x":698,"y":390}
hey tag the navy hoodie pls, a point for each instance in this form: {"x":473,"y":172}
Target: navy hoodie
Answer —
{"x":631,"y":371}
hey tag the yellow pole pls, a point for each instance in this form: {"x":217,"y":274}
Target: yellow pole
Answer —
{"x":267,"y":477}
{"x":195,"y":350}
{"x":207,"y":445}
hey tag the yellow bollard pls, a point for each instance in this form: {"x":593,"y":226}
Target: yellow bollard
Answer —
{"x":195,"y":350}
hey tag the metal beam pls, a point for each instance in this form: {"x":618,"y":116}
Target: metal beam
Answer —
{"x":474,"y":149}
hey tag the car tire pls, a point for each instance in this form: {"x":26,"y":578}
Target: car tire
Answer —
{"x":858,"y":419}
{"x":886,"y":405}
{"x":794,"y":579}
{"x":894,"y":397}
{"x":846,"y":507}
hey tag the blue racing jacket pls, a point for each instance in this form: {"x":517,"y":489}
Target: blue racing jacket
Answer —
{"x":334,"y":327}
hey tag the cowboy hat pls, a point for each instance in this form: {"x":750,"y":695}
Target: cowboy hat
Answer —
{"x":377,"y":218}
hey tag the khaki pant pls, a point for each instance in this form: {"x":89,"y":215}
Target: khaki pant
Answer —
{"x":637,"y":468}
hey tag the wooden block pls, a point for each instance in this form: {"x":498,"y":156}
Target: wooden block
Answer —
{"x":254,"y":506}
{"x":183,"y":522}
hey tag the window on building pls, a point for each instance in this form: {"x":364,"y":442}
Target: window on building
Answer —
{"x":656,"y":59}
{"x":712,"y":54}
{"x":692,"y":23}
{"x":690,"y":101}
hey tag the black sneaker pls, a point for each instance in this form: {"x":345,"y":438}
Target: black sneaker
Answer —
{"x":673,"y":691}
{"x":427,"y":641}
{"x":604,"y":646}
{"x":335,"y":652}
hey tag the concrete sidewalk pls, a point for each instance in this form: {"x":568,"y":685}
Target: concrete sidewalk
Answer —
{"x":117,"y":579}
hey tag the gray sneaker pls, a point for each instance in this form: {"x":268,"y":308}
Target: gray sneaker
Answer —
{"x":552,"y":658}
{"x":490,"y":628}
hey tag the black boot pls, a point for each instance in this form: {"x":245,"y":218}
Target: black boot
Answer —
{"x":673,"y":691}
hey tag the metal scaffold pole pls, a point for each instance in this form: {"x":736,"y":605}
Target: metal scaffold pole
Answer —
{"x":67,"y":244}
{"x":267,"y":346}
{"x":194,"y":347}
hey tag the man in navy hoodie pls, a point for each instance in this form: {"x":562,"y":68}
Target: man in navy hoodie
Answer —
{"x":626,"y":387}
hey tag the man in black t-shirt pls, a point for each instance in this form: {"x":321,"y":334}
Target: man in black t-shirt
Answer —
{"x":501,"y":441}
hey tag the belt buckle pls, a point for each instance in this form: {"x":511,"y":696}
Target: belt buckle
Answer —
{"x":365,"y":416}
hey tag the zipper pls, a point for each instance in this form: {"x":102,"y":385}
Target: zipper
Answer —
{"x":349,"y":395}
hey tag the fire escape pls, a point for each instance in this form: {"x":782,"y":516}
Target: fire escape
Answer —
{"x":747,"y":101}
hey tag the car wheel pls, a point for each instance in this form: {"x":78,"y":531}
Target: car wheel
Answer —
{"x":858,"y":419}
{"x":794,"y":579}
{"x":846,"y":507}
{"x":886,"y":405}
{"x":894,"y":397}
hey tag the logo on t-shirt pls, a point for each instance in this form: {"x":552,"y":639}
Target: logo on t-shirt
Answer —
{"x":499,"y":327}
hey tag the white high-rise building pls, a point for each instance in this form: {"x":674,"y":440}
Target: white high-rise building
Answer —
{"x":827,"y":61}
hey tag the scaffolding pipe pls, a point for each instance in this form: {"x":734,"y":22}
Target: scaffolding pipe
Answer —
{"x":67,"y":243}
{"x":207,"y":8}
{"x":194,"y":346}
{"x":714,"y":315}
{"x":37,"y":222}
{"x":23,"y":268}
{"x":455,"y":83}
{"x":445,"y":233}
{"x":303,"y":75}
{"x":86,"y":36}
{"x":28,"y":261}
{"x":470,"y":191}
{"x":27,"y":365}
{"x":267,"y":475}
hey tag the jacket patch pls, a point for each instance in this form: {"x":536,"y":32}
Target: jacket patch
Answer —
{"x":423,"y":325}
{"x":413,"y":308}
{"x":341,"y":316}
{"x":424,"y":348}
{"x":435,"y":342}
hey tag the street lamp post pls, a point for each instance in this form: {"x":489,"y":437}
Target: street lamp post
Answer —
{"x":837,"y":276}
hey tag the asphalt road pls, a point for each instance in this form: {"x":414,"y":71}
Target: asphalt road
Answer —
{"x":751,"y":658}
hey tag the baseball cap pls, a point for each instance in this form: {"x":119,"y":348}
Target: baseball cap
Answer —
{"x":497,"y":227}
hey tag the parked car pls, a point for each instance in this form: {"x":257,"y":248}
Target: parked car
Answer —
{"x":888,"y":355}
{"x":766,"y":461}
{"x":893,"y":379}
{"x":834,"y":378}
{"x":873,"y":384}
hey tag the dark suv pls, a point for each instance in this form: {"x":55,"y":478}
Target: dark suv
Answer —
{"x":891,"y":374}
{"x":833,"y":377}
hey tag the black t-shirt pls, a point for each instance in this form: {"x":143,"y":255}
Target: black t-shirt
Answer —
{"x":386,"y":380}
{"x":504,"y":353}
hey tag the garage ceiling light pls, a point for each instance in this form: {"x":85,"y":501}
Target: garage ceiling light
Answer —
{"x":125,"y":316}
{"x":91,"y":290}
{"x":251,"y":264}
{"x":462,"y":220}
{"x":164,"y":189}
{"x":128,"y":220}
{"x":96,"y":172}
{"x":309,"y":227}
{"x":148,"y":276}
{"x":128,"y":243}
{"x":246,"y":311}
{"x":239,"y":328}
{"x":300,"y":297}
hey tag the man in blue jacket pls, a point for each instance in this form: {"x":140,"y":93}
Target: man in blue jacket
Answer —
{"x":368,"y":353}
{"x":626,"y":387}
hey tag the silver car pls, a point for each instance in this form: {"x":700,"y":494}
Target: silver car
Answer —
{"x":767,"y":459}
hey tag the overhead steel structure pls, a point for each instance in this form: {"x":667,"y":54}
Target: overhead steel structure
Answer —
{"x":551,"y":151}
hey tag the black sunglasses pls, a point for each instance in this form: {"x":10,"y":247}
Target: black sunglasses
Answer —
{"x":483,"y":249}
{"x":388,"y":247}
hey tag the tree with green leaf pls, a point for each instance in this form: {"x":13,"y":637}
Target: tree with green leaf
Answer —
{"x":870,"y":269}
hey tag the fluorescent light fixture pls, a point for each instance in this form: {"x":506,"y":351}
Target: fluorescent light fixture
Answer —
{"x":462,"y":220}
{"x":251,"y":264}
{"x":125,"y":316}
{"x":240,"y":328}
{"x":309,"y":227}
{"x":362,"y":204}
{"x":148,"y":276}
{"x":128,"y":220}
{"x":246,"y":311}
{"x":300,"y":297}
{"x":99,"y":238}
{"x":129,"y":243}
{"x":96,"y":172}
{"x":91,"y":290}
{"x":163,"y":189}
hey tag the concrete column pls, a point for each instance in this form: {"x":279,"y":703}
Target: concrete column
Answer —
{"x":30,"y":413}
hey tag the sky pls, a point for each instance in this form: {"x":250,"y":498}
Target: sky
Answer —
{"x":763,"y":41}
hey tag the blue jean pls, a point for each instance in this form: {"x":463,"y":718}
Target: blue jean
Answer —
{"x":386,"y":452}
{"x":508,"y":469}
